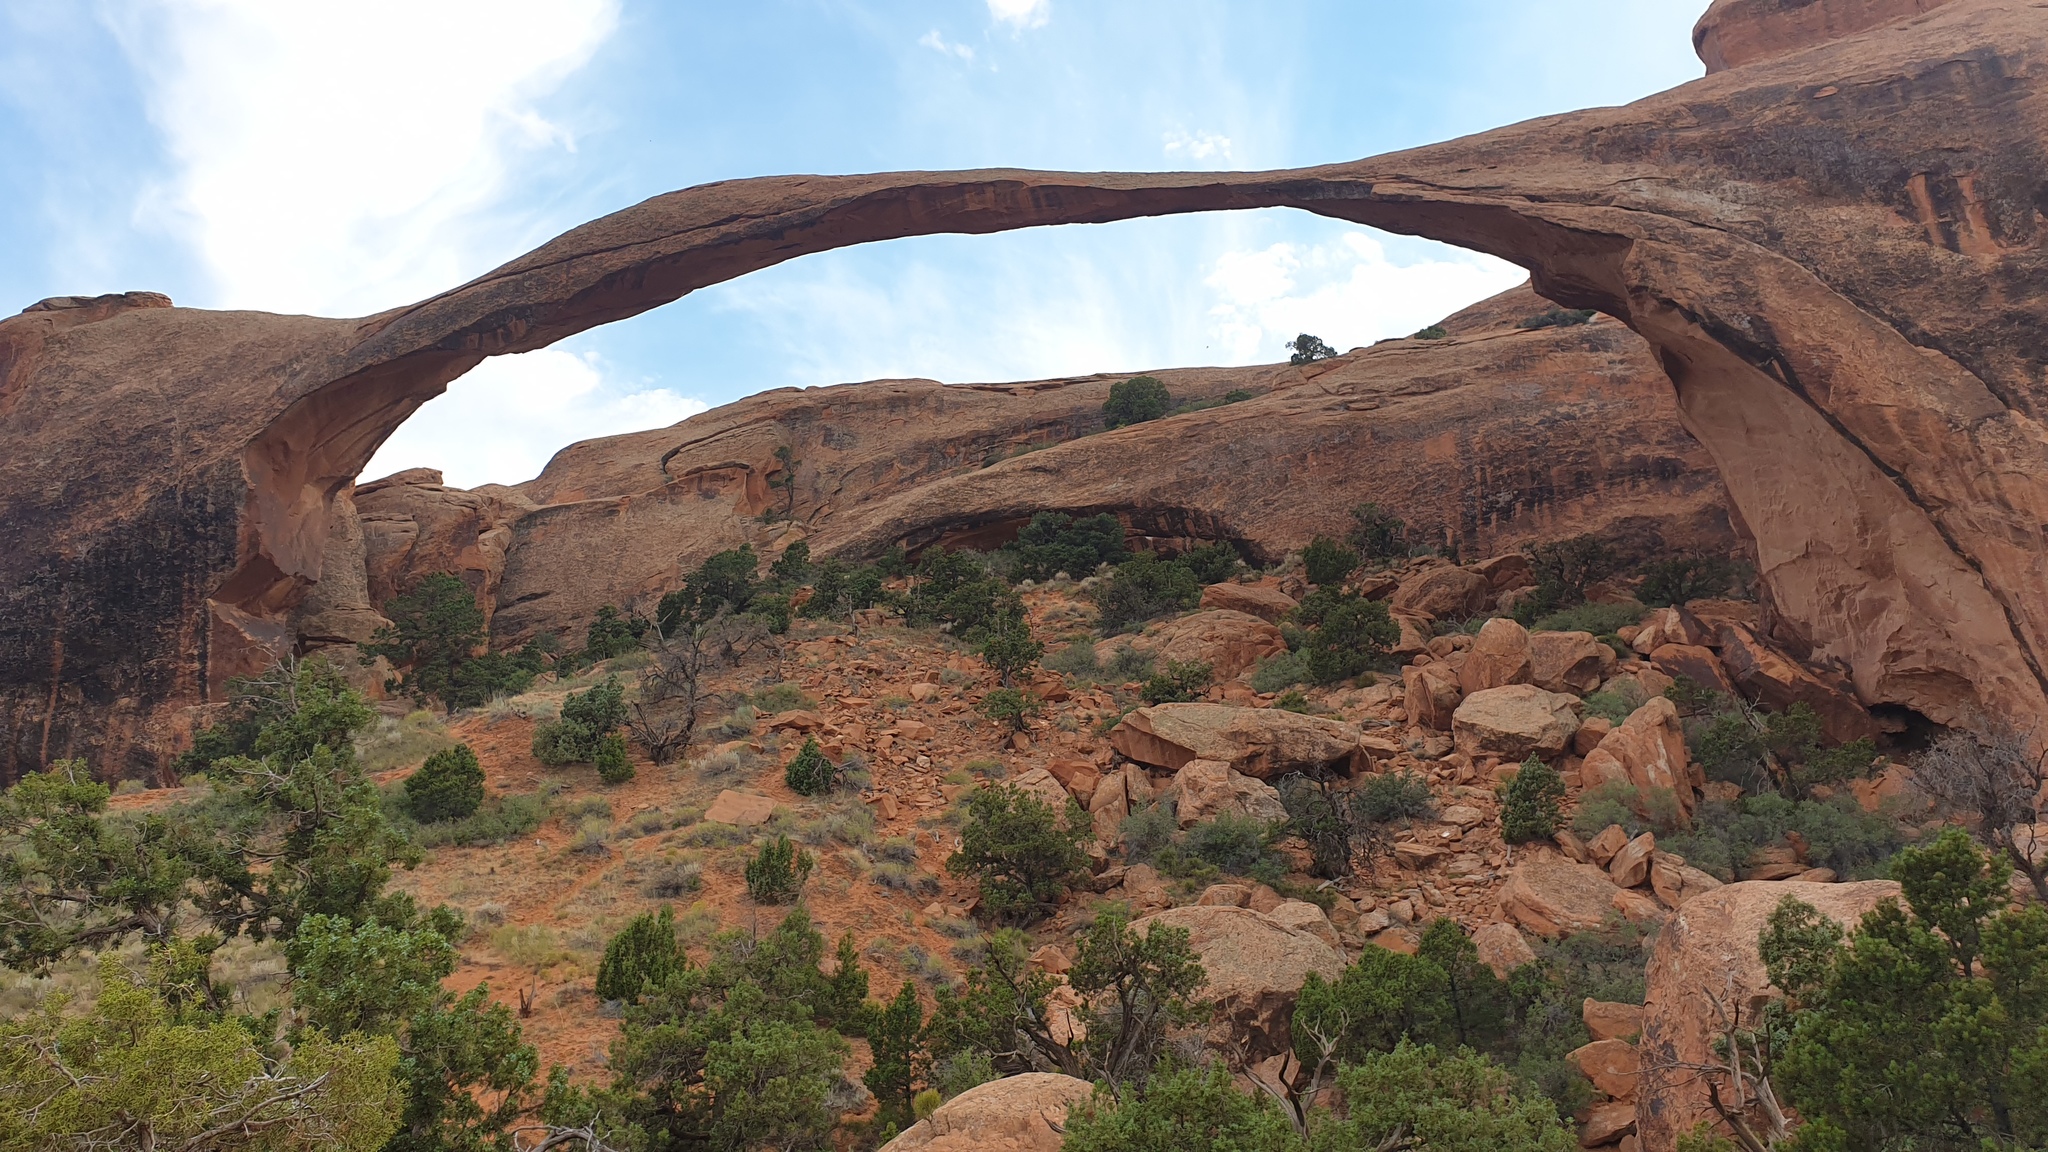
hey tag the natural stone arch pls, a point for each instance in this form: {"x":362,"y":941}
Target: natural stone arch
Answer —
{"x":1838,"y":253}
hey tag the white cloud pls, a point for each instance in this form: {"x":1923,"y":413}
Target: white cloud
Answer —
{"x":1021,"y":14}
{"x":501,"y":422}
{"x":1349,"y":292}
{"x":344,"y":158}
{"x":937,"y":43}
{"x":1196,"y":145}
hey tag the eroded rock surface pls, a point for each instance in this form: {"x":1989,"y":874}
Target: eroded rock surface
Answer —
{"x":1833,"y":244}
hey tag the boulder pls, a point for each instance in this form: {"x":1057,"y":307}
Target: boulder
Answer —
{"x":1262,"y":600}
{"x":1592,"y":730}
{"x":1609,"y":841}
{"x":740,"y":809}
{"x":1646,"y":752}
{"x":1612,"y":1066}
{"x":1631,"y":865}
{"x":1706,"y":956}
{"x":1204,"y":788}
{"x":1515,"y":722}
{"x":1607,"y":1020}
{"x":1668,"y":626}
{"x":1414,"y":638}
{"x":1777,"y":682}
{"x":1043,"y":785}
{"x":1502,"y":948}
{"x":1229,"y":642}
{"x":1223,"y":896}
{"x":1445,"y":593}
{"x":1607,"y":1122}
{"x":1145,"y":891}
{"x":1256,"y":966}
{"x":1573,"y":662}
{"x":1552,"y":896}
{"x":1022,"y":1113}
{"x":1259,"y":742}
{"x":1499,"y":656}
{"x":1433,"y":692}
{"x":1695,"y":663}
{"x":1507,"y":572}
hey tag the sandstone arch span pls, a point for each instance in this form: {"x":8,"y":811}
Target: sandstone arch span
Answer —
{"x":1839,"y":250}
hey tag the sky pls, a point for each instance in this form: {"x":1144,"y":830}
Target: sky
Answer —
{"x":339,"y":159}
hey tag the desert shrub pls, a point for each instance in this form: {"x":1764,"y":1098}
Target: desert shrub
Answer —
{"x":1557,"y":318}
{"x":435,"y":625}
{"x":1186,"y":1109}
{"x":613,"y":764}
{"x":1143,"y":588}
{"x":1179,"y":682}
{"x":1346,"y":634}
{"x":1135,"y":401}
{"x":1307,"y":349}
{"x":1013,"y":707}
{"x":1839,"y":834}
{"x":838,"y":588}
{"x":723,"y":583}
{"x":1008,"y":647}
{"x":1599,"y":619}
{"x":1020,"y":850}
{"x":1394,"y":796}
{"x":1283,"y":671}
{"x":1611,"y":803}
{"x":592,"y":836}
{"x":955,"y":590}
{"x":1433,"y":332}
{"x":1619,"y":703}
{"x":642,"y":956}
{"x":612,"y":633}
{"x":448,"y":786}
{"x":1235,"y":845}
{"x":1148,"y":831}
{"x":1443,"y":1100}
{"x":1076,"y":659}
{"x":810,"y":772}
{"x":1564,"y":570}
{"x":1677,"y":579}
{"x":497,"y":820}
{"x":1377,"y":534}
{"x":777,"y":871}
{"x":1529,"y":803}
{"x":961,"y":1071}
{"x":1055,"y":542}
{"x":1212,"y":563}
{"x":1335,"y":823}
{"x":1379,"y":1000}
{"x":587,"y":718}
{"x":1327,"y":562}
{"x":675,"y":878}
{"x":1126,"y":664}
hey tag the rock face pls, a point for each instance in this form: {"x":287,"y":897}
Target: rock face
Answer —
{"x":1256,"y":966}
{"x":1832,"y":244}
{"x":1707,"y":953}
{"x":1023,"y":1113}
{"x":1259,"y":742}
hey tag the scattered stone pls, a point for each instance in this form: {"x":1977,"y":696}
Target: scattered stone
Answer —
{"x":1042,"y":784}
{"x":740,"y":809}
{"x":1515,"y":722}
{"x":1695,"y":663}
{"x":1464,"y":816}
{"x":1502,"y":948}
{"x":1574,"y":848}
{"x":797,"y":720}
{"x":1777,"y":682}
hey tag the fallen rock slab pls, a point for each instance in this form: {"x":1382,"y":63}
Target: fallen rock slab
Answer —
{"x":1259,"y":742}
{"x":1230,"y":642}
{"x":1552,"y":896}
{"x":740,"y":809}
{"x":1023,"y":1113}
{"x":1203,"y":789}
{"x":1515,"y":722}
{"x":1574,"y":662}
{"x":1262,"y":600}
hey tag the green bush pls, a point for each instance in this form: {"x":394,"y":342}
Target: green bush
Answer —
{"x":1529,"y":803}
{"x":1565,"y":570}
{"x":838,"y":588}
{"x":1678,"y":579}
{"x":1839,"y":834}
{"x":810,"y":772}
{"x":1327,"y":562}
{"x":1211,"y":563}
{"x":793,"y":569}
{"x":1346,"y":634}
{"x":1235,"y":845}
{"x":1611,"y":803}
{"x":955,"y":589}
{"x":587,"y":718}
{"x":1055,"y":542}
{"x":434,"y":627}
{"x":1013,"y":707}
{"x":1433,"y":332}
{"x":778,"y":871}
{"x":1557,"y":318}
{"x":1619,"y":703}
{"x":1148,"y":831}
{"x":1378,"y":534}
{"x":1179,"y":682}
{"x":449,"y":786}
{"x":1186,"y":1109}
{"x":1020,"y":851}
{"x":723,"y":583}
{"x":498,"y":820}
{"x":1135,"y":401}
{"x":1307,"y":349}
{"x":614,"y":765}
{"x":1599,"y":619}
{"x":1143,"y":588}
{"x":612,"y":633}
{"x":1008,"y":648}
{"x":1394,"y":796}
{"x":1443,"y":1101}
{"x":1276,"y":673}
{"x":643,"y":956}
